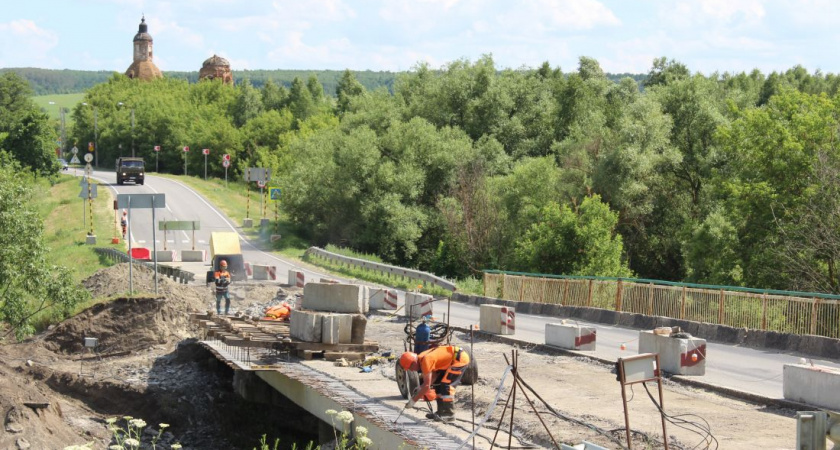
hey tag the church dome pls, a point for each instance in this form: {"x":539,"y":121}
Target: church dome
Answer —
{"x":143,"y":32}
{"x":216,"y":61}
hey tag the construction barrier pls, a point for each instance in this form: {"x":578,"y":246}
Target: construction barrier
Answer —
{"x":418,"y":305}
{"x":812,"y":384}
{"x":570,"y":336}
{"x":141,"y":253}
{"x":390,"y":299}
{"x":679,"y":356}
{"x":262,"y":272}
{"x":165,"y":255}
{"x":383,"y":299}
{"x":248,"y":271}
{"x":497,"y":319}
{"x":296,"y":278}
{"x":193,"y":255}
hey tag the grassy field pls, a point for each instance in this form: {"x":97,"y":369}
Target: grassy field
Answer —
{"x":68,"y":101}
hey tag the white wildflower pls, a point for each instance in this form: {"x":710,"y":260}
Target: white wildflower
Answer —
{"x":331,"y":412}
{"x":176,"y":447}
{"x":364,"y":441}
{"x":137,"y":423}
{"x":116,"y":447}
{"x":163,"y":425}
{"x":345,"y":416}
{"x":361,"y":431}
{"x":131,"y":442}
{"x":111,"y":420}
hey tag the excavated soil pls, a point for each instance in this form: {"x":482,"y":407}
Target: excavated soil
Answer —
{"x":55,"y":393}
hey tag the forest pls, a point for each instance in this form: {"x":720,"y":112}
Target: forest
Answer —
{"x":725,"y":178}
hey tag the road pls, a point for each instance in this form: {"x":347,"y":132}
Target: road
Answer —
{"x":745,"y":369}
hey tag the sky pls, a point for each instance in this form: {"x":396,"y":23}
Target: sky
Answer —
{"x":395,"y":35}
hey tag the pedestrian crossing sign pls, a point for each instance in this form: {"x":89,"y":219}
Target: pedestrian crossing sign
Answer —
{"x":274,"y":193}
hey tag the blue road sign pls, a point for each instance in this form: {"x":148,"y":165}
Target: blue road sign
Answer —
{"x":274,"y":193}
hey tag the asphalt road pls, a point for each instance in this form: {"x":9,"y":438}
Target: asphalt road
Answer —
{"x":754,"y":371}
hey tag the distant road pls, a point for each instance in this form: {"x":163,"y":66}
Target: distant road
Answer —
{"x":745,"y":369}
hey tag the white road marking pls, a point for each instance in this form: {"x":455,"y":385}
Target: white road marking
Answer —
{"x":187,"y":241}
{"x":141,"y":242}
{"x":202,"y":241}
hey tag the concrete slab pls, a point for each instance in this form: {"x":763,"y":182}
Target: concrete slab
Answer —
{"x":165,"y":255}
{"x":676,"y":355}
{"x":570,"y":336}
{"x":306,"y":326}
{"x":814,"y":385}
{"x":418,"y":305}
{"x":339,"y":298}
{"x":90,"y":239}
{"x":337,"y":329}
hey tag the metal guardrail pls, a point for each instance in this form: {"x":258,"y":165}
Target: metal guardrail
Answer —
{"x":176,"y":274}
{"x":786,"y":312}
{"x":383,"y":268}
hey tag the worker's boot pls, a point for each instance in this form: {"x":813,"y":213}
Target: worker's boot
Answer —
{"x":445,"y":412}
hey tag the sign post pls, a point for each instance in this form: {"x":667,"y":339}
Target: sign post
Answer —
{"x":157,"y":150}
{"x":226,"y":164}
{"x":144,"y":201}
{"x":274,"y":195}
{"x":205,"y":152}
{"x":186,"y":150}
{"x":91,"y":238}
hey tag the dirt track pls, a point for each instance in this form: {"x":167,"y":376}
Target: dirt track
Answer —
{"x":145,"y":373}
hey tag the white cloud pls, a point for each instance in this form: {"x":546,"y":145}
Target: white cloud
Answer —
{"x":24,"y":43}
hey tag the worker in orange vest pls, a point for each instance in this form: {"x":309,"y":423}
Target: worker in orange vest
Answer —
{"x":444,"y":366}
{"x":222,"y":280}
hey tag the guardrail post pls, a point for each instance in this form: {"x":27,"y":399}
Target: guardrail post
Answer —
{"x":650,"y":299}
{"x":763,"y":311}
{"x":618,"y":296}
{"x":720,"y":307}
{"x":814,"y":315}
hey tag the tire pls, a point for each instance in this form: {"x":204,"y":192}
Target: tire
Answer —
{"x":141,"y":182}
{"x":408,"y":382}
{"x":470,"y":375}
{"x":119,"y":182}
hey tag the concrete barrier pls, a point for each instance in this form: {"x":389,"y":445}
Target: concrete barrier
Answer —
{"x":193,"y":255}
{"x":262,"y":272}
{"x":165,"y":255}
{"x":383,"y":298}
{"x":339,"y":298}
{"x":570,"y":336}
{"x":676,"y":355}
{"x":306,"y":326}
{"x":337,"y":329}
{"x":247,"y":223}
{"x":296,"y":278}
{"x":814,"y":385}
{"x":418,"y":305}
{"x":497,"y":319}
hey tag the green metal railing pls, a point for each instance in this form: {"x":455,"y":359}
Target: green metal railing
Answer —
{"x":771,"y":310}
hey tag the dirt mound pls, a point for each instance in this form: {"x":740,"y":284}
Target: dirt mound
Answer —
{"x":128,"y":324}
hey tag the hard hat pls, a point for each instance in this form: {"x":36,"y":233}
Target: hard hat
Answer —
{"x":406,"y":359}
{"x":223,"y":263}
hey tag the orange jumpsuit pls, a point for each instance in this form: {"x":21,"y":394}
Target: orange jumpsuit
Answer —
{"x":444,"y":366}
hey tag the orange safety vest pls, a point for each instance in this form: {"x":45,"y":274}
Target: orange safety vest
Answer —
{"x":442,"y":358}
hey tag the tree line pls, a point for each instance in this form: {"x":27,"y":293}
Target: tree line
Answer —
{"x":726,"y":178}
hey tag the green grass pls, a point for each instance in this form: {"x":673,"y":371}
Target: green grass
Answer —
{"x":68,"y":101}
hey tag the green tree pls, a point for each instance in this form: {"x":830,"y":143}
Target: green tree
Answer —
{"x":565,"y":241}
{"x":30,"y":141}
{"x":300,"y":100}
{"x":31,"y":284}
{"x":348,"y":87}
{"x":248,"y":104}
{"x":274,"y":97}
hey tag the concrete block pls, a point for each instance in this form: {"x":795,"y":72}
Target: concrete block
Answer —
{"x":377,"y":298}
{"x":262,"y":272}
{"x":296,"y":278}
{"x":676,"y":355}
{"x":90,"y":239}
{"x":306,"y":326}
{"x":339,"y":298}
{"x":357,"y":333}
{"x":193,"y":255}
{"x":337,"y":328}
{"x":497,"y":319}
{"x":165,"y":255}
{"x":418,"y":305}
{"x":570,"y":336}
{"x":265,"y":223}
{"x":814,"y":385}
{"x":247,"y":223}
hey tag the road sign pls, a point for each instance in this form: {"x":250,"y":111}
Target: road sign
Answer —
{"x":84,"y":193}
{"x":226,"y":164}
{"x":179,"y":225}
{"x":205,"y":151}
{"x":90,"y":146}
{"x":261,"y":183}
{"x":157,"y":148}
{"x":141,"y":201}
{"x":88,"y":157}
{"x":74,"y":150}
{"x":274,"y":193}
{"x":226,"y":157}
{"x":75,"y":160}
{"x":258,"y":174}
{"x":186,"y":149}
